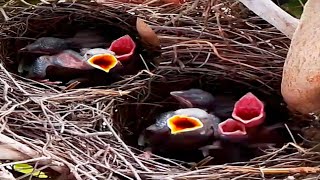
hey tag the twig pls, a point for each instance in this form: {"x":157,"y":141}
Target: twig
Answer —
{"x":127,"y":163}
{"x":25,"y":161}
{"x":193,"y":6}
{"x":5,"y":16}
{"x":125,"y":146}
{"x":291,"y":135}
{"x":301,"y":170}
{"x":13,"y":80}
{"x":5,"y":174}
{"x":88,"y":135}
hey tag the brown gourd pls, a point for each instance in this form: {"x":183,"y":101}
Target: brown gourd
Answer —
{"x":300,"y":85}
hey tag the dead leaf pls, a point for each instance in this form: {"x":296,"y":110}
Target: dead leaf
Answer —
{"x":147,"y":34}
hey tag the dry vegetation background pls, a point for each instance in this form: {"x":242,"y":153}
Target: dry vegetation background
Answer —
{"x":209,"y":41}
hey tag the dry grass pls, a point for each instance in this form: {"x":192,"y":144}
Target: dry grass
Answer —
{"x":77,"y":130}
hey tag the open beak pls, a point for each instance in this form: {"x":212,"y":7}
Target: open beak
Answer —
{"x":249,"y":110}
{"x":181,"y":123}
{"x":123,"y":47}
{"x":232,"y":130}
{"x":179,"y":96}
{"x":105,"y":62}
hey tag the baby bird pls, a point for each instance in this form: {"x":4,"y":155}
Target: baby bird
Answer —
{"x":47,"y":45}
{"x":123,"y":47}
{"x":53,"y":45}
{"x":68,"y":64}
{"x":195,"y":98}
{"x":183,"y":129}
{"x":221,"y":106}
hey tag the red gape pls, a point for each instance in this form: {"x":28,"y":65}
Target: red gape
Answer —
{"x":249,"y":110}
{"x":123,"y":47}
{"x":232,"y":130}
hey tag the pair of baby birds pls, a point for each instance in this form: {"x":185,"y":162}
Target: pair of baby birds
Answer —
{"x":208,"y":123}
{"x":75,"y":57}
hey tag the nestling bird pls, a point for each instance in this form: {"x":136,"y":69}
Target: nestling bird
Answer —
{"x":242,"y":135}
{"x":238,"y":137}
{"x":249,"y":110}
{"x":231,"y":143}
{"x":123,"y":48}
{"x":232,"y":130}
{"x":61,"y":62}
{"x":195,"y":98}
{"x":183,"y":129}
{"x":221,"y":106}
{"x":247,"y":117}
{"x":68,"y":64}
{"x":53,"y":45}
{"x":235,"y":144}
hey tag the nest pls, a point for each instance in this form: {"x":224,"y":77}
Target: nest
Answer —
{"x":91,"y":133}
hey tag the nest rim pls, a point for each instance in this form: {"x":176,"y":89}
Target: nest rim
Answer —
{"x":136,"y":89}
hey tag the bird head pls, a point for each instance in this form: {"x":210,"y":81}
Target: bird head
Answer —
{"x":249,"y":110}
{"x":188,"y":128}
{"x":194,"y":98}
{"x":46,"y":45}
{"x":232,"y":130}
{"x":100,"y":58}
{"x":182,"y":123}
{"x":123,"y":48}
{"x":190,"y":120}
{"x":105,"y":62}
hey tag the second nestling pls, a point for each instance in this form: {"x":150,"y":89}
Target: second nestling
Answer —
{"x":207,"y":124}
